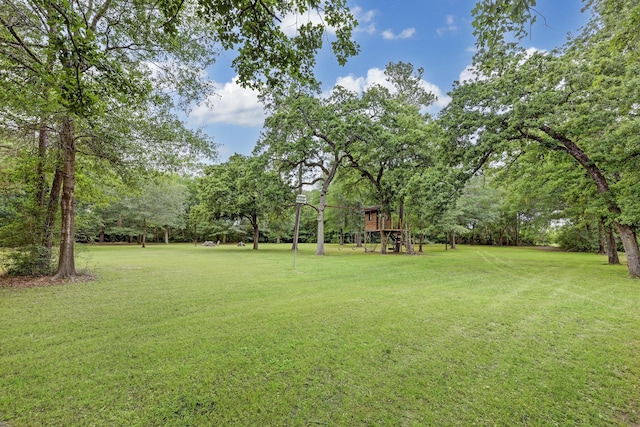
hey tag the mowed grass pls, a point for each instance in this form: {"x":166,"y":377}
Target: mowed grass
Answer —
{"x":180,"y":335}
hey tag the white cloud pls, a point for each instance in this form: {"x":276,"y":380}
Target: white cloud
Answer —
{"x":443,"y":99}
{"x":365,"y":20}
{"x":407,"y":33}
{"x":351,"y":83}
{"x":532,"y":50}
{"x":362,"y":15}
{"x":231,"y":104}
{"x":367,"y":24}
{"x":376,"y":76}
{"x":450,"y":26}
{"x":293,"y":21}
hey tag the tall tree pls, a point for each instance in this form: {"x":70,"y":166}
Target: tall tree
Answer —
{"x":581,"y":102}
{"x":391,"y":136}
{"x":87,"y":60}
{"x":84,"y":61}
{"x":310,"y":134}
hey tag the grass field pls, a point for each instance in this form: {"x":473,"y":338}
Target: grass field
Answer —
{"x":181,"y":335}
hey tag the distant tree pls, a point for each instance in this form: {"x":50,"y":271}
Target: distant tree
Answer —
{"x":477,"y":209}
{"x":244,"y":187}
{"x":167,"y":198}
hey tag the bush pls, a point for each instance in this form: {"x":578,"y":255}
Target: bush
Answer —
{"x":577,"y":239}
{"x":32,"y":260}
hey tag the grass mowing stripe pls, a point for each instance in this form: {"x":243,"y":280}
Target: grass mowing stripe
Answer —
{"x":183,"y":335}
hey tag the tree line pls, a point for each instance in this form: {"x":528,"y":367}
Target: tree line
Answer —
{"x":537,"y":147}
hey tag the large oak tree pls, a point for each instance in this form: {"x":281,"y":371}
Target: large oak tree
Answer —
{"x":69,"y":66}
{"x":582,"y":101}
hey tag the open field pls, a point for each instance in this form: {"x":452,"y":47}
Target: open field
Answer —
{"x":180,"y":335}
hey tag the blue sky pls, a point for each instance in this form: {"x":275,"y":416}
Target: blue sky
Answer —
{"x":436,"y":35}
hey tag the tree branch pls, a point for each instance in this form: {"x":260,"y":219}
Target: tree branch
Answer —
{"x":581,"y":157}
{"x":99,"y":15}
{"x":270,"y":12}
{"x":18,"y":39}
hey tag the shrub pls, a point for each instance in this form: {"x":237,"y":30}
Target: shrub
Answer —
{"x":32,"y":260}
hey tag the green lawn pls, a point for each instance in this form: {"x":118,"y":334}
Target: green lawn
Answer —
{"x":181,"y":335}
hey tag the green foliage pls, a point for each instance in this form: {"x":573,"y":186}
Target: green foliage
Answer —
{"x":243,"y":188}
{"x":577,"y":238}
{"x":104,"y":76}
{"x":31,"y":260}
{"x":381,"y":135}
{"x":392,"y":122}
{"x":344,"y":215}
{"x":266,"y":53}
{"x":498,"y":26}
{"x":580,"y":102}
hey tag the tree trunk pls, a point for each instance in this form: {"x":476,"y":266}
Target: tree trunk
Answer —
{"x":296,"y":230}
{"x":50,"y":217}
{"x":383,"y":236}
{"x":66,"y":261}
{"x":48,"y":208}
{"x":321,"y":206}
{"x":452,"y":239}
{"x":143,"y":238}
{"x":320,"y":245}
{"x":630,"y":243}
{"x":166,"y":235}
{"x":420,"y":242}
{"x":43,"y":144}
{"x":611,"y":246}
{"x":256,"y":231}
{"x":195,"y":234}
{"x":407,"y":242}
{"x":384,"y":241}
{"x":602,"y":238}
{"x":358,"y":239}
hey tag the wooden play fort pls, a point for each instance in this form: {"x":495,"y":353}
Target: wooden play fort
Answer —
{"x":381,"y":227}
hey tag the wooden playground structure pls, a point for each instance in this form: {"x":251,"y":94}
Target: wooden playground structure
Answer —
{"x":393,"y":236}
